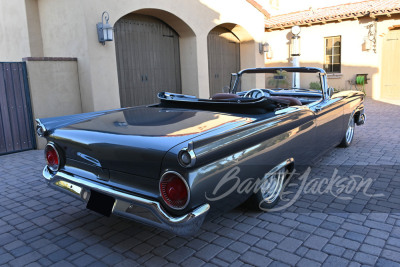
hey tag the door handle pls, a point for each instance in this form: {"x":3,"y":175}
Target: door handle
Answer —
{"x":318,"y":108}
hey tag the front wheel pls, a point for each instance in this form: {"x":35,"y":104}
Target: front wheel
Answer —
{"x":348,"y":137}
{"x":270,"y":190}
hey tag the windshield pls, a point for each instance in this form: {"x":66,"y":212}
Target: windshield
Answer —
{"x":280,"y":80}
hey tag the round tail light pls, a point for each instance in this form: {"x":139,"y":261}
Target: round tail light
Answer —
{"x":174,"y":190}
{"x":52,"y":157}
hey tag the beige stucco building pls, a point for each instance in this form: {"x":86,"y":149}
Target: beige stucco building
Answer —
{"x":367,"y":42}
{"x":190,"y":47}
{"x":47,"y":28}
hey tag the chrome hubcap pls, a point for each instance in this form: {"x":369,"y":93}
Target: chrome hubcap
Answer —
{"x":272,"y":186}
{"x":350,"y":131}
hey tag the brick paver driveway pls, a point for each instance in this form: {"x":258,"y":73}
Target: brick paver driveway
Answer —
{"x":39,"y":226}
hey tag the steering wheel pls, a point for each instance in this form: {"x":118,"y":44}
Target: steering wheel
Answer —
{"x":255,"y":93}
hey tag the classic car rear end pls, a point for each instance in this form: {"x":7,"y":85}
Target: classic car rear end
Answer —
{"x":172,"y":164}
{"x":114,"y":160}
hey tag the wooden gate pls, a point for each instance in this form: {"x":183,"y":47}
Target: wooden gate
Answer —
{"x":390,"y":81}
{"x":223,"y":58}
{"x":16,"y":123}
{"x":148,"y":59}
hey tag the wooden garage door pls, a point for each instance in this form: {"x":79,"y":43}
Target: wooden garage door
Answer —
{"x":223,"y":58}
{"x":147,"y":52}
{"x":390,"y":82}
{"x":16,"y":123}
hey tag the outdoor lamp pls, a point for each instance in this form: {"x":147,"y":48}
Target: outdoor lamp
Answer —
{"x":263,"y":47}
{"x":296,"y":30}
{"x":104,"y":30}
{"x":295,"y":42}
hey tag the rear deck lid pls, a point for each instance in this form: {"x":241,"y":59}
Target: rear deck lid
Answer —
{"x":135,"y":140}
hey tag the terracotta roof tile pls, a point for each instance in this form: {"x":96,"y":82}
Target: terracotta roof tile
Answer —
{"x":344,"y":11}
{"x":259,"y":8}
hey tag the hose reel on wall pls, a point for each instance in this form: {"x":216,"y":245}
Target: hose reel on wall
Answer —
{"x":361,"y":79}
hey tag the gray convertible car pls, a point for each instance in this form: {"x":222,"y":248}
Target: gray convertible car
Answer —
{"x":173,"y":163}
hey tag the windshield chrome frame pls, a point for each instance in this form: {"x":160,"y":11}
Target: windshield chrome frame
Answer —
{"x":321,"y":72}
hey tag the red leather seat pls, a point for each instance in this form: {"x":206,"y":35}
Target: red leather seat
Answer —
{"x":224,"y":96}
{"x":291,"y":101}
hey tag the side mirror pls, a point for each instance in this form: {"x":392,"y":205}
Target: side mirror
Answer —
{"x":232,"y":82}
{"x":330,"y":91}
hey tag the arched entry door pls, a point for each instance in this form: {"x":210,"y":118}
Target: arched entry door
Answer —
{"x":390,"y":79}
{"x":223,"y":58}
{"x":148,"y":59}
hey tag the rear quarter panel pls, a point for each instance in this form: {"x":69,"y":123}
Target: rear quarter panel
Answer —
{"x":243,"y":155}
{"x":353,"y":103}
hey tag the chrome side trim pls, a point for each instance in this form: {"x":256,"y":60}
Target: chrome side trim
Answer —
{"x":40,"y":128}
{"x":130,"y":206}
{"x":190,"y":150}
{"x":89,"y":159}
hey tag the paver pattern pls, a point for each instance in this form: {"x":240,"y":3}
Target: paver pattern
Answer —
{"x":40,"y":226}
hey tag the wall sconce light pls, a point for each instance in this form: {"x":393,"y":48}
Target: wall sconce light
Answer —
{"x":263,"y":47}
{"x":370,"y":39}
{"x":367,"y":44}
{"x":104,"y":30}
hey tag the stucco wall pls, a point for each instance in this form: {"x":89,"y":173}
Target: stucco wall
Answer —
{"x":64,"y":34}
{"x":69,"y":29}
{"x":14,"y":41}
{"x":354,"y":59}
{"x":34,"y":30}
{"x":20,"y":30}
{"x":54,"y":88}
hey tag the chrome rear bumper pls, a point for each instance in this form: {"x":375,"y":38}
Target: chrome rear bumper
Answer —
{"x":130,"y":206}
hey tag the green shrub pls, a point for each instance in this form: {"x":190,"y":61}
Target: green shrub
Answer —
{"x":315,"y":85}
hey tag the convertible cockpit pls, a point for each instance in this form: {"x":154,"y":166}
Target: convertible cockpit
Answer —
{"x":283,"y":87}
{"x":238,"y":103}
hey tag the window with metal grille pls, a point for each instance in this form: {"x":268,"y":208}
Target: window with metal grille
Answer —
{"x":332,"y":60}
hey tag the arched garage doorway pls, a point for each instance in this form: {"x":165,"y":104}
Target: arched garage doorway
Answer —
{"x":148,"y":60}
{"x":223,"y":57}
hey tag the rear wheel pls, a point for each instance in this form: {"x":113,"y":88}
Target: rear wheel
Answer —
{"x":269,"y":193}
{"x":348,"y":136}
